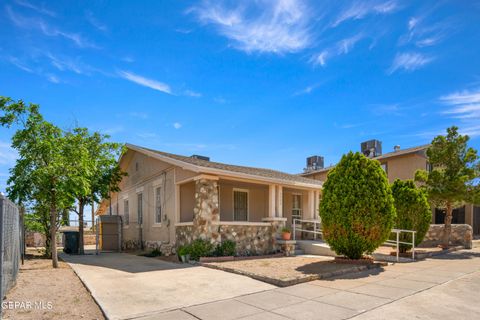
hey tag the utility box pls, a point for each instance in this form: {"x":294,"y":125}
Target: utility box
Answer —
{"x":110,"y":233}
{"x":71,"y":242}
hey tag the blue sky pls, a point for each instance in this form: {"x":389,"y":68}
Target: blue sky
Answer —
{"x":260,"y":83}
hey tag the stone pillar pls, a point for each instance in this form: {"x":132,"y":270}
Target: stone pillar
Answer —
{"x":279,"y":201}
{"x":206,"y":214}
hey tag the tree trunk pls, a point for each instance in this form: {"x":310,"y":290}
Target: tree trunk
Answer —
{"x":448,"y":225}
{"x":81,"y":206}
{"x":93,"y":215}
{"x":53,"y":233}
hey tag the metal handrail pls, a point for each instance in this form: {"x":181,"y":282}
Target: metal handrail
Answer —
{"x":397,"y":242}
{"x":315,"y":231}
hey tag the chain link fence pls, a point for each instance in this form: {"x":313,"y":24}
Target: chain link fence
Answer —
{"x":11,"y":237}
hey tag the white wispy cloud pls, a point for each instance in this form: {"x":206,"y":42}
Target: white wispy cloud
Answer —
{"x":360,"y":9}
{"x":52,"y":78}
{"x":177,"y":125}
{"x":68,"y":64}
{"x":146,"y":82}
{"x":280,"y":27}
{"x":192,"y":93}
{"x":47,"y":29}
{"x":463,"y":104}
{"x":40,"y":9}
{"x":7,"y":154}
{"x":343,"y":46}
{"x":97,"y":24}
{"x":139,"y":115}
{"x":320,"y":58}
{"x":423,"y":32}
{"x":20,"y":64}
{"x":307,"y":90}
{"x":409,"y":61}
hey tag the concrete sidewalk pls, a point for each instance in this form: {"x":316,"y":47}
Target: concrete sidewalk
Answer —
{"x":128,"y":286}
{"x":444,"y":287}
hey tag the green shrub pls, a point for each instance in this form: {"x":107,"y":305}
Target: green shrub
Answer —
{"x":200,"y":248}
{"x":286,"y":230}
{"x":226,"y":248}
{"x":357,"y":208}
{"x":154,"y":253}
{"x":183,"y":250}
{"x":413,"y":212}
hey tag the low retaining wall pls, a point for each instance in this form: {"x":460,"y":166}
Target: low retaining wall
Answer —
{"x":461,"y":235}
{"x":251,"y":239}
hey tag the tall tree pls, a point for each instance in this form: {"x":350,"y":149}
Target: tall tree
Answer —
{"x":41,"y":174}
{"x":95,"y":170}
{"x":451,"y":180}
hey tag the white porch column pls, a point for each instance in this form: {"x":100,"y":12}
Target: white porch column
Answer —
{"x":279,"y":201}
{"x":271,"y":200}
{"x":316,"y":203}
{"x":311,"y":204}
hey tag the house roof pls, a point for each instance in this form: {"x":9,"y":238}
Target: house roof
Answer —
{"x":219,"y":168}
{"x":388,"y":155}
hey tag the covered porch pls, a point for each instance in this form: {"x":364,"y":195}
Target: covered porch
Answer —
{"x":252,"y":213}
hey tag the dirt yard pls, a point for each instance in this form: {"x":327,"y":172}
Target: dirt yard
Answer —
{"x":286,"y":271}
{"x":52,"y":294}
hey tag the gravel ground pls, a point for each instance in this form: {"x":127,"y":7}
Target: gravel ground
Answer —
{"x":285,"y":268}
{"x":57,"y":293}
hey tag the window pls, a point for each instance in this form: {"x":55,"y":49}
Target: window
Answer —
{"x":136,"y":166}
{"x":296,"y":206}
{"x":240,"y":205}
{"x":158,"y":205}
{"x":385,"y":167}
{"x":126,"y":213}
{"x":429,"y":167}
{"x":139,"y":208}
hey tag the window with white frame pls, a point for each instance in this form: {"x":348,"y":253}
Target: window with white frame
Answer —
{"x":385,"y":167}
{"x":240,"y":205}
{"x":139,"y":208}
{"x":158,"y":205}
{"x":296,"y":206}
{"x":126,"y":212}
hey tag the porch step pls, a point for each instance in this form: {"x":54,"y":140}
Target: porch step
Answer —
{"x":317,"y":247}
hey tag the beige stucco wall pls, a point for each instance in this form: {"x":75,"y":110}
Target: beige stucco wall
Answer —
{"x":187,"y":203}
{"x":257,"y":200}
{"x":149,"y":174}
{"x":404,"y":167}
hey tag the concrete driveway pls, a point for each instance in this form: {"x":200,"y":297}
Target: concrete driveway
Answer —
{"x":128,"y":286}
{"x":443,"y":287}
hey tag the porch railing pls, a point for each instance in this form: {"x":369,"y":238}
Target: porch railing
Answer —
{"x":297,"y":226}
{"x":397,"y":241}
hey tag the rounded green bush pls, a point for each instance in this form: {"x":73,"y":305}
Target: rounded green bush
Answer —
{"x":413,"y":212}
{"x":357,"y":208}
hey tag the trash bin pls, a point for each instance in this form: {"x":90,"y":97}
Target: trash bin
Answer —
{"x":71,"y":242}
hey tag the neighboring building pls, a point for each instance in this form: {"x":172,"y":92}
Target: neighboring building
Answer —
{"x":402,"y":164}
{"x":168,"y":200}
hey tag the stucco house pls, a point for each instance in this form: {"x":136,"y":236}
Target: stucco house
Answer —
{"x":168,"y":200}
{"x":401,"y":164}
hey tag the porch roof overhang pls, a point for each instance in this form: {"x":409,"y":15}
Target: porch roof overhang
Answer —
{"x":292,"y":181}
